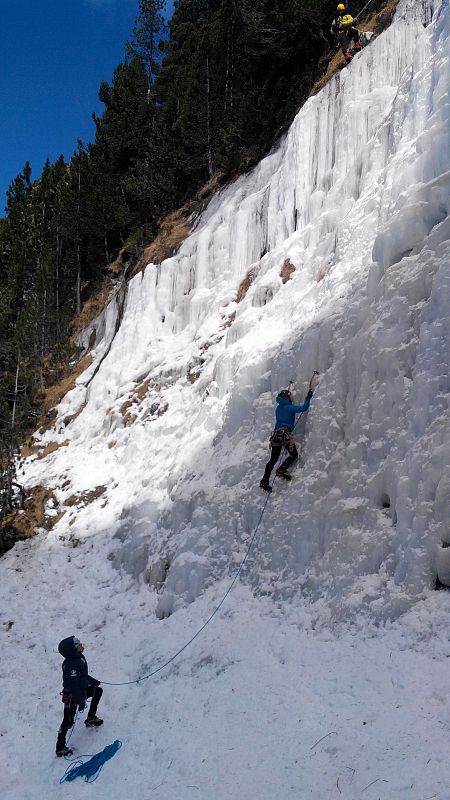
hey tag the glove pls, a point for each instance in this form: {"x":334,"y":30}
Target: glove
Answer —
{"x":310,"y":394}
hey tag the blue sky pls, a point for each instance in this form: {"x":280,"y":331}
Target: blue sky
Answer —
{"x":53,"y":57}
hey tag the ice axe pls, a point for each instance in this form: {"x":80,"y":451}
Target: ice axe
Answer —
{"x":312,"y":383}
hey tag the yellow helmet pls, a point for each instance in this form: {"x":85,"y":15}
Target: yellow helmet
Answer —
{"x":341,"y":7}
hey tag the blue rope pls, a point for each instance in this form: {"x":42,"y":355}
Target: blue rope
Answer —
{"x":236,"y":576}
{"x":175,"y":655}
{"x":91,"y":769}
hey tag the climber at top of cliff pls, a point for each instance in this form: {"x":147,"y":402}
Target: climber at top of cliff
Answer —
{"x":343,"y":28}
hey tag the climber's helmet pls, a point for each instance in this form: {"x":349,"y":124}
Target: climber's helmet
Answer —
{"x":341,"y":8}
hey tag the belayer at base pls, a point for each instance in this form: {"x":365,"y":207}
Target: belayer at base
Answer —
{"x":282,"y":436}
{"x":77,"y":686}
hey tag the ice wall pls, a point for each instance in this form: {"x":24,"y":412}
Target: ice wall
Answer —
{"x":178,"y":405}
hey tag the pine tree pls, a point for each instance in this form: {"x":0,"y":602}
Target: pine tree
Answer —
{"x":17,"y":263}
{"x":83,"y":254}
{"x":121,"y":135}
{"x":146,"y":43}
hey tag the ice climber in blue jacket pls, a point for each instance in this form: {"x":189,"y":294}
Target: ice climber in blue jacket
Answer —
{"x":77,"y":686}
{"x":282,"y":436}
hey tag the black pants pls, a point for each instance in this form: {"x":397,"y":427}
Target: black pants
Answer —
{"x":345,"y":37}
{"x":276,"y":453}
{"x":94,"y":691}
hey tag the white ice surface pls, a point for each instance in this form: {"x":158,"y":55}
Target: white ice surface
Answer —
{"x":334,"y":628}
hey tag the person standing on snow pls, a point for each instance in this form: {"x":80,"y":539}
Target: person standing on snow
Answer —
{"x":282,"y":436}
{"x":77,"y":686}
{"x":342,"y":27}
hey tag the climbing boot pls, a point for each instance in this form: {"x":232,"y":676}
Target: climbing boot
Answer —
{"x":348,"y":56}
{"x":283,"y":473}
{"x":93,"y":722}
{"x":357,"y":47}
{"x":264,"y":484}
{"x":63,"y":750}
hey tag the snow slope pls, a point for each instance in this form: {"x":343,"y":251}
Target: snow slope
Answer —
{"x":334,"y":629}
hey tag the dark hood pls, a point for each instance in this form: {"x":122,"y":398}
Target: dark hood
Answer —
{"x":67,"y":648}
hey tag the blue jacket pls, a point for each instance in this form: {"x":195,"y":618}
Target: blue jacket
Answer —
{"x":75,"y":671}
{"x":286,"y":411}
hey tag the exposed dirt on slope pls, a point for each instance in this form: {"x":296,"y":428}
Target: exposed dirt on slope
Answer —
{"x":177,"y":226}
{"x":93,"y":306}
{"x":286,"y":271}
{"x":84,"y":498}
{"x":35,"y":515}
{"x":244,"y":285}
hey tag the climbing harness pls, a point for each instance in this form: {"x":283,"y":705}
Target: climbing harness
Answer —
{"x":279,"y":437}
{"x":66,"y":698}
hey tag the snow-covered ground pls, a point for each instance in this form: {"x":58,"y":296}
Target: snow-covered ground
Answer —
{"x":263,"y":705}
{"x":324,"y":674}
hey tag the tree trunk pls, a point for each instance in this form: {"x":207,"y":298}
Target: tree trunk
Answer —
{"x":208,"y":122}
{"x":57,"y":266}
{"x":105,"y":233}
{"x":16,"y":391}
{"x":229,"y":73}
{"x":41,"y":365}
{"x":78,"y":279}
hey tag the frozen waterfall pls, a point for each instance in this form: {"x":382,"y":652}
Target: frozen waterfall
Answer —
{"x":177,"y":406}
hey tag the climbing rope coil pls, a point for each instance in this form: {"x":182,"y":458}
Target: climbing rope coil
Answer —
{"x":90,"y":770}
